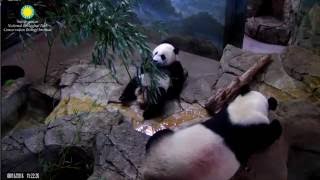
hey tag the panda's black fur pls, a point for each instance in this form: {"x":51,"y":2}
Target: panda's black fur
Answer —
{"x":164,"y":57}
{"x":239,"y":140}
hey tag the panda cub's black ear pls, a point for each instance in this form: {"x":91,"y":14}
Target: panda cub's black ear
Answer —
{"x":273,"y":103}
{"x":244,"y":89}
{"x":176,"y":50}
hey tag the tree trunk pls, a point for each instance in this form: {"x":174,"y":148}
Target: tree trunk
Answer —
{"x":227,"y":94}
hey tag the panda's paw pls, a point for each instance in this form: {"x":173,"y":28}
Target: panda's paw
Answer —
{"x":276,"y":128}
{"x":148,"y":114}
{"x":124,"y":101}
{"x":185,"y":73}
{"x":138,"y":91}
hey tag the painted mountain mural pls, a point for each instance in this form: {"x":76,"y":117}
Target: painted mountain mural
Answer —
{"x":187,"y":21}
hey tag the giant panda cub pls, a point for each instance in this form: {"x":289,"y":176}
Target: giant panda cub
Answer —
{"x":214,"y":149}
{"x":164,"y":56}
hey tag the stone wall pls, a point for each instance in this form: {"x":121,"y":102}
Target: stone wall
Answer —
{"x":307,"y":28}
{"x":271,"y":21}
{"x":293,"y":22}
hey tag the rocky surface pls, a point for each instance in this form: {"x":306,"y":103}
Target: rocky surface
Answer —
{"x":25,"y":105}
{"x":274,"y":80}
{"x":301,"y":121}
{"x":199,"y":84}
{"x":88,"y":116}
{"x":286,"y":78}
{"x":115,"y":146}
{"x":308,"y":29}
{"x":255,"y":46}
{"x":47,"y":90}
{"x":269,"y":164}
{"x":13,"y":97}
{"x":274,"y":21}
{"x":268,"y":29}
{"x":89,"y":88}
{"x":303,"y":65}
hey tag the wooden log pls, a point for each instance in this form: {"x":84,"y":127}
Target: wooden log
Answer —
{"x":225,"y":95}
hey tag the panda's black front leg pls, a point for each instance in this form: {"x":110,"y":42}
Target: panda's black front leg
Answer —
{"x":155,"y":109}
{"x":128,"y":93}
{"x":178,"y":77}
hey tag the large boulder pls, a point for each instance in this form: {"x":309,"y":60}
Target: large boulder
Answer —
{"x":307,"y":33}
{"x":202,"y":76}
{"x":303,"y":65}
{"x":268,"y":29}
{"x":301,"y":121}
{"x":13,"y":97}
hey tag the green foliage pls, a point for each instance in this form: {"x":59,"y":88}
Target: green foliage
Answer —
{"x":116,"y":37}
{"x":9,"y":82}
{"x":109,"y":22}
{"x":51,"y":168}
{"x":155,"y":74}
{"x":65,"y":163}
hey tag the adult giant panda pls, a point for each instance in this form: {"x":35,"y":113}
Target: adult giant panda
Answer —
{"x":164,"y":56}
{"x":214,"y":149}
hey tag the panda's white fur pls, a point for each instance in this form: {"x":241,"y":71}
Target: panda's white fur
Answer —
{"x":166,"y":50}
{"x":252,"y":108}
{"x":194,"y":153}
{"x":169,"y":84}
{"x":199,"y":152}
{"x":163,"y":81}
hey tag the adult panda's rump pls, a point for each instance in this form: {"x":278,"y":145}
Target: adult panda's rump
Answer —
{"x":193,"y":153}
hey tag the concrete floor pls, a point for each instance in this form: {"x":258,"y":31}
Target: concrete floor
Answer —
{"x":260,"y":47}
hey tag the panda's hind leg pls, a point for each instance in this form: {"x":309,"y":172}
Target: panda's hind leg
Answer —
{"x":275,"y":130}
{"x":154,"y":109}
{"x":128,"y":93}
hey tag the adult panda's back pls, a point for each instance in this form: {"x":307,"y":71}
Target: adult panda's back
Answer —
{"x":194,"y":153}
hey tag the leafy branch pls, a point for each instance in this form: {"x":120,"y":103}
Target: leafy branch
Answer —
{"x":109,"y":22}
{"x":116,"y":37}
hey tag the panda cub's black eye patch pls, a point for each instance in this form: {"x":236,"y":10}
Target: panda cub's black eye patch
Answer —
{"x":163,"y":57}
